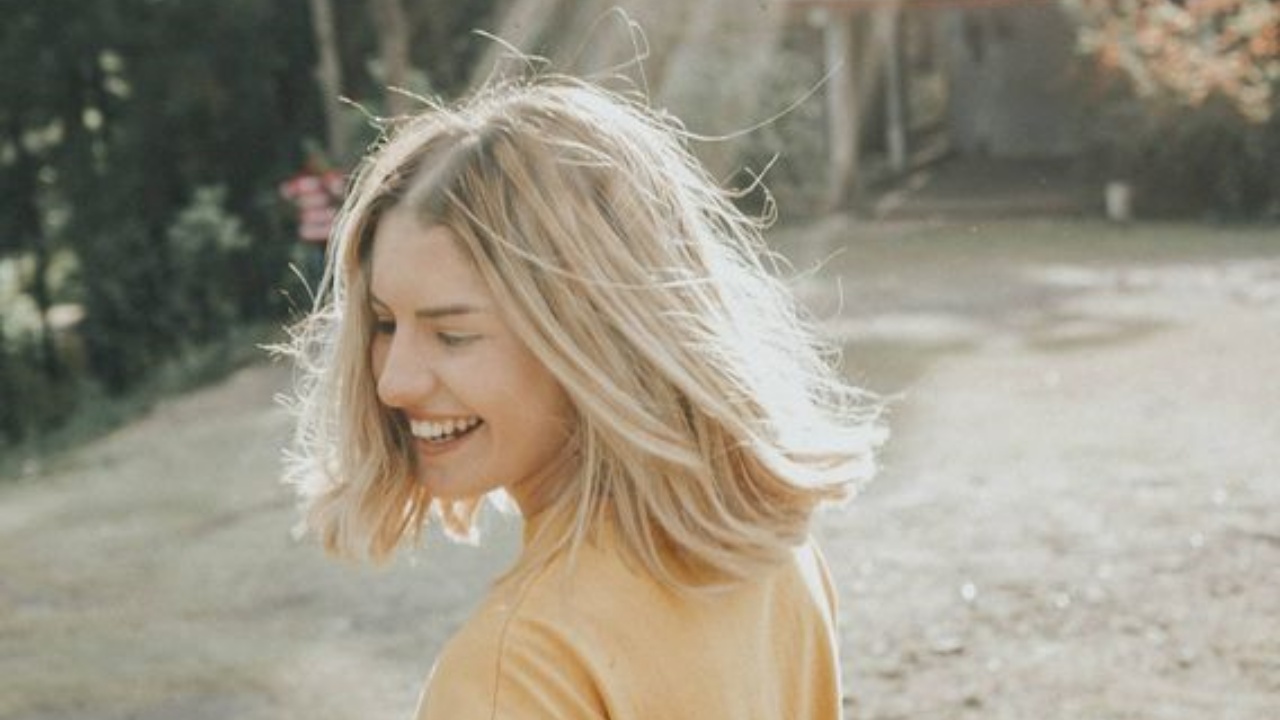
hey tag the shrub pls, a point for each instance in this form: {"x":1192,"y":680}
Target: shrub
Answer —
{"x":1188,"y":101}
{"x":1205,"y":161}
{"x":204,"y":241}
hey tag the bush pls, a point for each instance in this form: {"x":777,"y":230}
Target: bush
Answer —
{"x":204,"y":241}
{"x":1204,"y":161}
{"x":130,"y":321}
{"x":34,"y":401}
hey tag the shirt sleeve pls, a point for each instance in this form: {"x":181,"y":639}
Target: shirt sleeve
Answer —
{"x":524,"y":671}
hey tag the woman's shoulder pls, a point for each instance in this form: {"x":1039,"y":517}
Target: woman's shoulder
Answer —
{"x":592,"y":635}
{"x":548,"y":644}
{"x":515,"y":657}
{"x":601,"y":604}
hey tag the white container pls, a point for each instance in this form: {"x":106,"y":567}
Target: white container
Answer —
{"x":1119,"y":201}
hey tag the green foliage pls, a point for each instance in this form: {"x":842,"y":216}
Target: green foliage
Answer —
{"x":12,"y":424}
{"x":130,"y":325}
{"x":118,"y":113}
{"x":203,"y":243}
{"x":97,"y":410}
{"x":142,"y":143}
{"x":34,"y":401}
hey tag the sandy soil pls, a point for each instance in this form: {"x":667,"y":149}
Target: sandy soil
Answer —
{"x":1079,"y":514}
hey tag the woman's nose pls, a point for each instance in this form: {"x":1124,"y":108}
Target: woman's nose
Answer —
{"x":406,"y":378}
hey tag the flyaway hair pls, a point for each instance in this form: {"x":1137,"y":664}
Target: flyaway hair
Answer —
{"x":712,"y":421}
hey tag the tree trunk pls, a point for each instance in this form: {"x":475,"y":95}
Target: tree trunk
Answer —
{"x":30,"y":232}
{"x":711,"y":81}
{"x":393,"y":44}
{"x":52,"y":364}
{"x":845,"y":127}
{"x":690,"y":58}
{"x":329,"y":75}
{"x":524,"y":25}
{"x":856,"y":53}
{"x":896,"y":119}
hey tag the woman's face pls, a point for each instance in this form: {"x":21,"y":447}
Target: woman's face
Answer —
{"x":484,"y":412}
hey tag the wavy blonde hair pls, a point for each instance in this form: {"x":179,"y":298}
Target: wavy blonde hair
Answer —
{"x":711,"y":421}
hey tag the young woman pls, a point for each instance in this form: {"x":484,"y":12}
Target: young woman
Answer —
{"x":539,"y":291}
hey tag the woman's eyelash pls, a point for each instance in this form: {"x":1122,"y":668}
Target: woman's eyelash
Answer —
{"x":456,"y":339}
{"x":387,"y":326}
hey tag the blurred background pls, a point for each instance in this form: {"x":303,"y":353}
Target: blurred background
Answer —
{"x":1048,"y":229}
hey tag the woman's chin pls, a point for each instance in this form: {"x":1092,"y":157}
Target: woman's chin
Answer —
{"x":449,"y":489}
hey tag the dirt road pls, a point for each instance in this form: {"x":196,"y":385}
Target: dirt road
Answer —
{"x":1078,"y":517}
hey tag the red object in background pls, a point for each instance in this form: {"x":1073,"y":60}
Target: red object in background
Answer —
{"x":316,"y":195}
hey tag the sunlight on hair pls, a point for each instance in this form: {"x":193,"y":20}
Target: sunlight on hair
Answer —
{"x":712,"y":419}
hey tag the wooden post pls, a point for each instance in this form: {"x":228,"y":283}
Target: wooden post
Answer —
{"x":844,"y":127}
{"x":889,"y":25}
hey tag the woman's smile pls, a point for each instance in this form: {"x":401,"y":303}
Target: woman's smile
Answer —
{"x":483,"y":410}
{"x":439,"y":437}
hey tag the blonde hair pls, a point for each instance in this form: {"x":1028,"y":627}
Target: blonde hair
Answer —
{"x":711,"y":421}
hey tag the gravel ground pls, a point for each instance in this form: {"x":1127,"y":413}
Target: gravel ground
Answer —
{"x":1078,"y":516}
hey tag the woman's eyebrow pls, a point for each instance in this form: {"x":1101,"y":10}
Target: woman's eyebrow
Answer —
{"x":438,"y":311}
{"x":433,"y":312}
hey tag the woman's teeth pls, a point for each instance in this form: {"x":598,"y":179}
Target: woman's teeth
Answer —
{"x":433,"y":431}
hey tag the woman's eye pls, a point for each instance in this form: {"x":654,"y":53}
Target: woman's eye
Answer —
{"x":456,"y":339}
{"x":384,"y":326}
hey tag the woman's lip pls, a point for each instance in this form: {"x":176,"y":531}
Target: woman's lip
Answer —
{"x":427,"y":447}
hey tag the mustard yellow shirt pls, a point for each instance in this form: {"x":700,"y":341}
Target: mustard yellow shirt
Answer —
{"x":601,"y":639}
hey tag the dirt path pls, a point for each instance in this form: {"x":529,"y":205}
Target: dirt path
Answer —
{"x":1079,"y":515}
